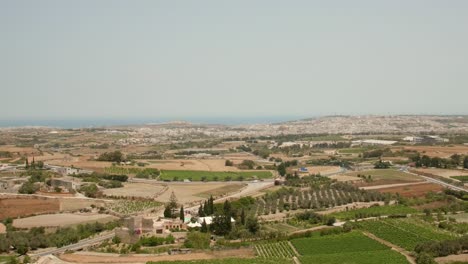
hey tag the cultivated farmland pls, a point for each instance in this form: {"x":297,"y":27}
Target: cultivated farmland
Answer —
{"x":179,"y":175}
{"x":374,"y":211}
{"x":406,"y":233}
{"x":386,"y":176}
{"x":351,"y":247}
{"x":275,"y":250}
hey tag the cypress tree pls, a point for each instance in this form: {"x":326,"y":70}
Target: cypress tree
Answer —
{"x":181,"y":214}
{"x":243,"y":217}
{"x":201,"y":211}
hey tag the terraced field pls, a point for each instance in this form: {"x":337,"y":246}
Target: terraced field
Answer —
{"x":350,"y":248}
{"x":406,"y":233}
{"x":275,"y":250}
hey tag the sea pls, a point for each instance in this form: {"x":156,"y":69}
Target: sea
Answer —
{"x":105,"y":122}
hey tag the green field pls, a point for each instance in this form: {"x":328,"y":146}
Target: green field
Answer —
{"x":275,"y":250}
{"x":406,"y":233}
{"x":387,"y":174}
{"x":229,"y":261}
{"x":180,"y":175}
{"x":372,"y":257}
{"x":350,"y":248}
{"x":374,"y":211}
{"x":461,"y":178}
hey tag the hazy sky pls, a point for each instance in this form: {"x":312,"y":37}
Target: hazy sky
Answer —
{"x":129,"y":59}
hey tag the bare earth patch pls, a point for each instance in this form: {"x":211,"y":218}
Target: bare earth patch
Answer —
{"x":415,"y":190}
{"x":60,"y":220}
{"x":83,"y":258}
{"x":194,"y":191}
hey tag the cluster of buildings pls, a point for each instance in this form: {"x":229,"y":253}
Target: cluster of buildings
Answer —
{"x":426,"y":139}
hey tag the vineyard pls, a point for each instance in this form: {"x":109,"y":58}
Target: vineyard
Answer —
{"x":350,"y":248}
{"x":275,"y":250}
{"x":406,"y":233}
{"x":229,"y":261}
{"x":127,"y":207}
{"x":327,"y":196}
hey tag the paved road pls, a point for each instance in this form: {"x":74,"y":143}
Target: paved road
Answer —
{"x":81,"y":244}
{"x":436,"y":181}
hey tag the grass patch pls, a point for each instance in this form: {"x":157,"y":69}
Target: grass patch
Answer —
{"x":179,"y":175}
{"x":374,"y":211}
{"x":372,"y":257}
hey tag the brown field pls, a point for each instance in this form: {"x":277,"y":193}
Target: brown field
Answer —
{"x":73,"y":204}
{"x":415,"y":190}
{"x":27,"y":205}
{"x":61,"y":220}
{"x":442,"y":172}
{"x":431,"y":205}
{"x":112,"y":258}
{"x":439,"y":151}
{"x":144,"y":190}
{"x":194,"y":191}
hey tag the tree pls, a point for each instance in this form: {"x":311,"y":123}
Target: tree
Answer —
{"x":28,"y":188}
{"x":465,"y":162}
{"x":204,"y":227}
{"x":456,"y":159}
{"x":167,"y":212}
{"x":198,"y":240}
{"x":26,"y":165}
{"x":173,"y":201}
{"x":252,"y":225}
{"x":229,"y":163}
{"x":425,"y":258}
{"x":242,"y":217}
{"x":282,"y":169}
{"x":181,"y":214}
{"x":201,"y":211}
{"x":90,"y":190}
{"x":115,"y":156}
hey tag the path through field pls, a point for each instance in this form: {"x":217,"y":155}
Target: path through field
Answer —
{"x":392,"y":246}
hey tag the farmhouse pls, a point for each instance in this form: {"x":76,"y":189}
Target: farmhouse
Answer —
{"x":68,"y":184}
{"x":11,"y":184}
{"x":209,"y":220}
{"x":67,"y":170}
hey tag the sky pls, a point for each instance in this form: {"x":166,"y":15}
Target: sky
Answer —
{"x":243,"y":59}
